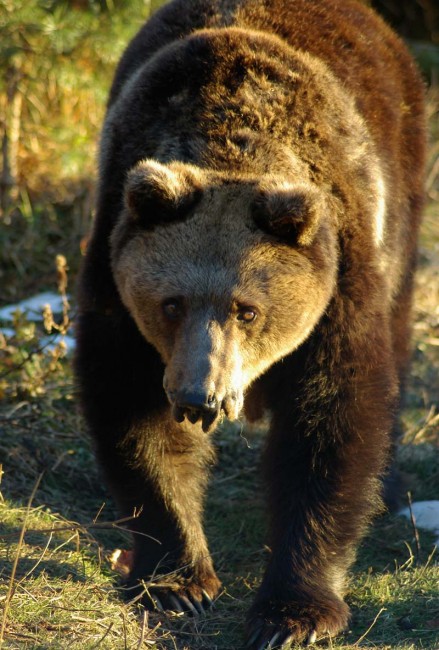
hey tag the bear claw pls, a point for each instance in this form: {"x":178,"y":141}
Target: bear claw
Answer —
{"x":311,"y":638}
{"x":176,"y":605}
{"x":191,"y":606}
{"x":163,"y":600}
{"x":157,"y":603}
{"x":207,"y":598}
{"x":279,"y":640}
{"x":269,"y":641}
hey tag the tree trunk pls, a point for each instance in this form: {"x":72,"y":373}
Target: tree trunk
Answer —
{"x":10,"y":141}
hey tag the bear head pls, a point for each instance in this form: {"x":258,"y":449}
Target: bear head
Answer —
{"x":223,"y":274}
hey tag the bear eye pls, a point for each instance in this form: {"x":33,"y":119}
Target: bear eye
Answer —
{"x":172,"y":308}
{"x":246,"y":314}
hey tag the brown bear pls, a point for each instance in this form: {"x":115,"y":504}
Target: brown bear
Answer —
{"x":261,"y":184}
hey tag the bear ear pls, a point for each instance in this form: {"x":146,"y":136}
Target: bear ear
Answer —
{"x":157,"y":194}
{"x":292,"y":212}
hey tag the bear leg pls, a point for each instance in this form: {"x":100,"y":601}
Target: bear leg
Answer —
{"x":158,"y":482}
{"x":155,"y":468}
{"x":326,"y":454}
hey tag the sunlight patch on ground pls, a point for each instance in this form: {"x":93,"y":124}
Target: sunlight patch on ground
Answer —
{"x":33,"y":308}
{"x":425,"y":515}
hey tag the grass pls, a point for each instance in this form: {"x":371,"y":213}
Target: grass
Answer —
{"x":64,"y":593}
{"x":58,"y":527}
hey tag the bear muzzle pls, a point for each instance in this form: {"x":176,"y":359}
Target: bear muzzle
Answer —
{"x":197,"y":406}
{"x":203,"y":377}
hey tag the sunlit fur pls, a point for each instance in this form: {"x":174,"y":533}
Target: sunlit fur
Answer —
{"x":261,"y":155}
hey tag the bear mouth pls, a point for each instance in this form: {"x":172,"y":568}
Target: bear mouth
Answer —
{"x":205,"y":415}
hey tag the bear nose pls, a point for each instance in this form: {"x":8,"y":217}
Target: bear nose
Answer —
{"x":196,"y":406}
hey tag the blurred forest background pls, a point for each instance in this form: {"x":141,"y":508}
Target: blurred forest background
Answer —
{"x":56,"y":63}
{"x":57,"y":587}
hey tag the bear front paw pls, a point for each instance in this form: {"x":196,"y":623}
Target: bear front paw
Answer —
{"x":275,"y":624}
{"x":189,"y":595}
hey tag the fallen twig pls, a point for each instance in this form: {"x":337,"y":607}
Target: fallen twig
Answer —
{"x":363,"y":636}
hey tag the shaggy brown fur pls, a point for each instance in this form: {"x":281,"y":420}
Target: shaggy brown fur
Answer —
{"x":255,"y":241}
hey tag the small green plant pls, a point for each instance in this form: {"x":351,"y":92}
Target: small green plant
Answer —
{"x":28,"y":359}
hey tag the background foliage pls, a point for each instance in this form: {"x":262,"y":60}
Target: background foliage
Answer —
{"x":56,"y":62}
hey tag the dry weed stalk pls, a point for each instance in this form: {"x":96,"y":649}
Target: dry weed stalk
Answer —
{"x":62,"y":281}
